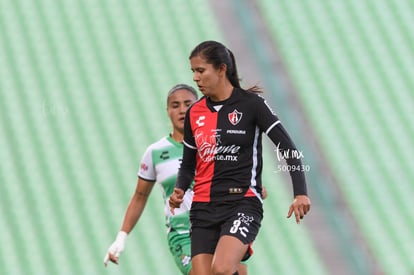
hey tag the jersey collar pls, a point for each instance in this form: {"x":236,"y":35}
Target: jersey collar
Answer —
{"x":173,"y":141}
{"x":210,"y":104}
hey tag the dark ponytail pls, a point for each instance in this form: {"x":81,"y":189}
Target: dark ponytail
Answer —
{"x":231,"y":72}
{"x":217,"y":54}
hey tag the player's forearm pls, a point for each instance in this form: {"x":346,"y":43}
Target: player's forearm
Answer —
{"x":187,"y":169}
{"x":288,"y":151}
{"x":184,"y":179}
{"x":298,"y":177}
{"x":134,"y":211}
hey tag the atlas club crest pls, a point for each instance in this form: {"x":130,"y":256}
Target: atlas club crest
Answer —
{"x":235,"y":117}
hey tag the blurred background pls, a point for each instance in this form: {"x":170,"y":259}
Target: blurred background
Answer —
{"x":83,"y":89}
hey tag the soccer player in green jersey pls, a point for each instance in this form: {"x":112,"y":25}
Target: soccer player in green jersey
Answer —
{"x":160,"y":164}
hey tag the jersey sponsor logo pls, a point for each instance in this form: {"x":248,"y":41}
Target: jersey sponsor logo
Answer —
{"x":200,"y":121}
{"x":144,"y":167}
{"x":236,"y":132}
{"x":209,"y":148}
{"x":235,"y":117}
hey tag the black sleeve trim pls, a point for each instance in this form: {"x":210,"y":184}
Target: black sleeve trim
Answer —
{"x":146,"y":179}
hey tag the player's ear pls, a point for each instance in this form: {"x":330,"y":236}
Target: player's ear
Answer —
{"x":223,"y":69}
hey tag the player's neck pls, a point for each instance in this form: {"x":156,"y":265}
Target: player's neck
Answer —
{"x":177,"y":136}
{"x":223,"y":92}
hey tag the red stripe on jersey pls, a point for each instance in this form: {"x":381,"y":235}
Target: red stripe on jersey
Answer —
{"x":204,"y":128}
{"x":250,"y":193}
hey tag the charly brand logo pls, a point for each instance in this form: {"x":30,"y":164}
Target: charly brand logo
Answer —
{"x":200,"y":121}
{"x":209,"y":148}
{"x":235,"y":117}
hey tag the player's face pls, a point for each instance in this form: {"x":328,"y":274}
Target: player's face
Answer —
{"x":178,"y":103}
{"x":206,"y":76}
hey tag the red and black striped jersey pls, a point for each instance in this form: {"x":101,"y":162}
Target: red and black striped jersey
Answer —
{"x":223,"y":149}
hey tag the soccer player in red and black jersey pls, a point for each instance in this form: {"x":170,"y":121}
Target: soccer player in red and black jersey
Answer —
{"x":223,"y":154}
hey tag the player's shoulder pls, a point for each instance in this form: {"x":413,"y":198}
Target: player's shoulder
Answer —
{"x":251,"y":99}
{"x":159,"y":144}
{"x":201,"y":102}
{"x":250,"y":95}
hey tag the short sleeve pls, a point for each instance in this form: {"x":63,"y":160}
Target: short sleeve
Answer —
{"x":146,"y":169}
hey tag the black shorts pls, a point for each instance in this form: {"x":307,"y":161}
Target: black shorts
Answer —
{"x":211,"y":220}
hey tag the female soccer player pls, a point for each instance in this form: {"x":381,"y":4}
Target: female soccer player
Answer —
{"x":223,"y":154}
{"x":160,"y":164}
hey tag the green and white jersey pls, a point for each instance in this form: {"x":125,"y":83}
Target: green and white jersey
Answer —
{"x":160,"y":164}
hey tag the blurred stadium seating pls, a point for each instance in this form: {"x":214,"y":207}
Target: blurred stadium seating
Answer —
{"x":352,"y":65}
{"x":82,"y":94}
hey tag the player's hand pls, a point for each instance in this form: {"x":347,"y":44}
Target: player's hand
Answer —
{"x":264,"y":193}
{"x":300,"y":206}
{"x":116,"y":248}
{"x":176,"y":199}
